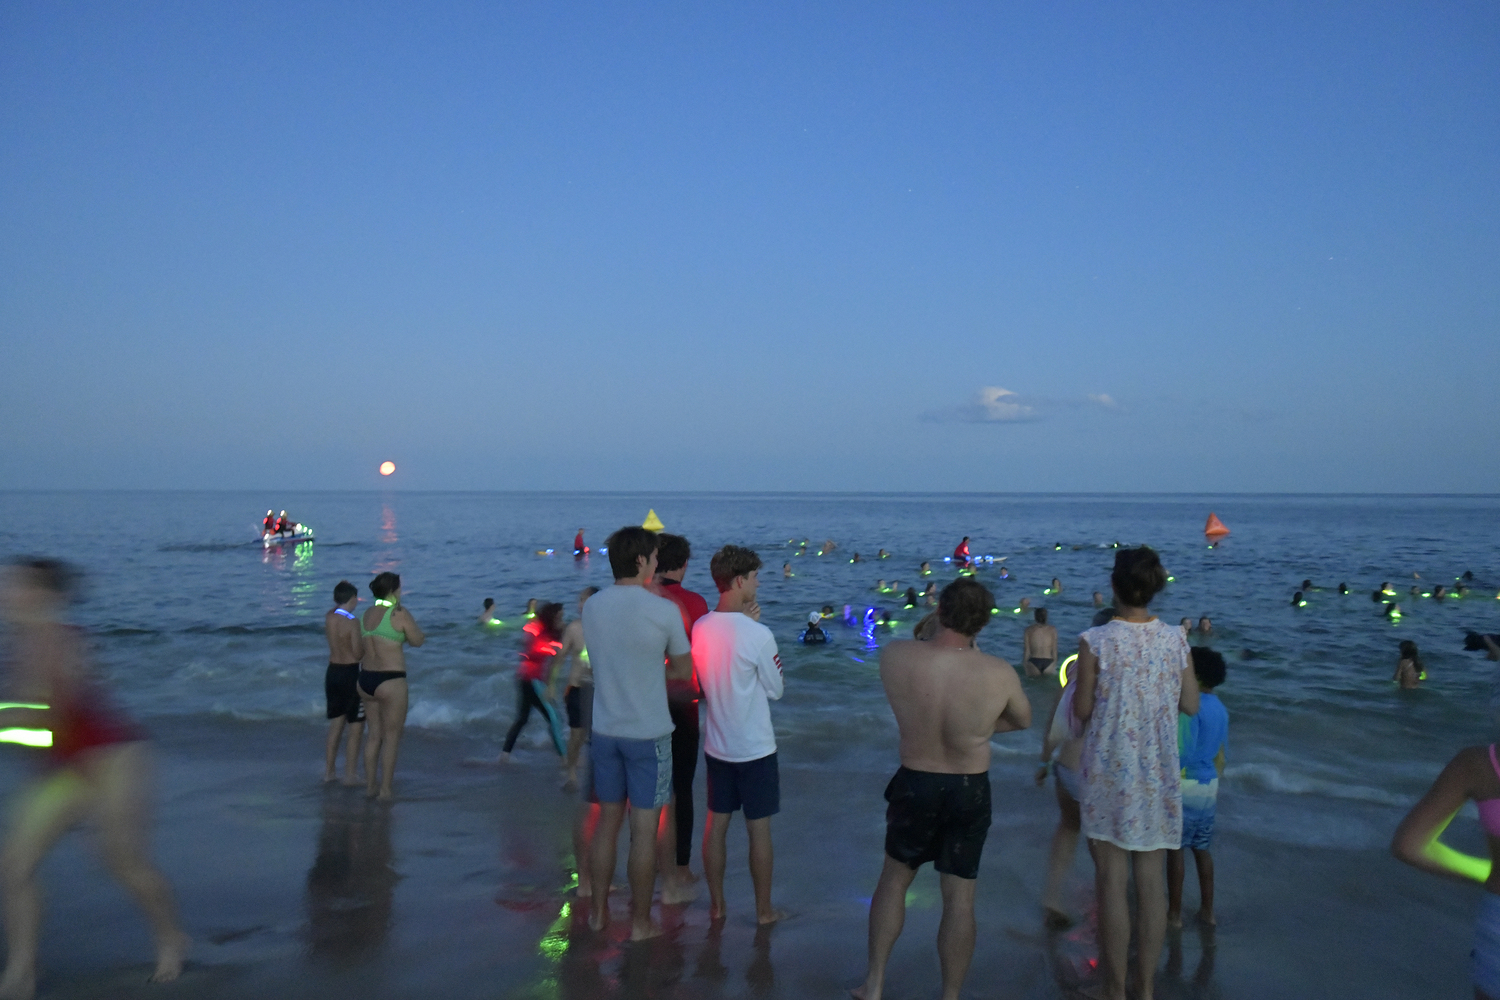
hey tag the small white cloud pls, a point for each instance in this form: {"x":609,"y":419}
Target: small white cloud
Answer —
{"x":1105,"y":400}
{"x":990,"y":405}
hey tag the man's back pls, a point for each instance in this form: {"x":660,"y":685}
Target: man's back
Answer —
{"x":343,"y":637}
{"x":629,"y":632}
{"x":949,"y":700}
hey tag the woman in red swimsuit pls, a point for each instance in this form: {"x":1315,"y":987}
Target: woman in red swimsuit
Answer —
{"x":99,"y":772}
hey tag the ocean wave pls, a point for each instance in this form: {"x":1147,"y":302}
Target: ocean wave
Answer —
{"x":1270,"y":778}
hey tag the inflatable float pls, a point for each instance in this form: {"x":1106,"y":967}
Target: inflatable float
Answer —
{"x":652,"y":522}
{"x":1215,"y":528}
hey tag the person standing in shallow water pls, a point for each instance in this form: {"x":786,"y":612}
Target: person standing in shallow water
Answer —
{"x":949,"y":699}
{"x":534,"y":688}
{"x":385,"y":629}
{"x":1134,"y":676}
{"x":100,"y":770}
{"x":341,"y":681}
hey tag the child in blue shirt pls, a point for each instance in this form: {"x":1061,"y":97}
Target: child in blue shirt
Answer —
{"x":1201,"y":742}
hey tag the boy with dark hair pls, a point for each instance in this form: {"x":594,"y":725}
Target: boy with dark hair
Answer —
{"x":675,"y":840}
{"x":630,"y":632}
{"x":740,"y":672}
{"x":345,"y":709}
{"x":1202,"y":740}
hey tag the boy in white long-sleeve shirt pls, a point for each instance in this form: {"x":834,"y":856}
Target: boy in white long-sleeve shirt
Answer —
{"x":739,"y":671}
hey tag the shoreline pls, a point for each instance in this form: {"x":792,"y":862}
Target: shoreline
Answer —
{"x":295,"y":889}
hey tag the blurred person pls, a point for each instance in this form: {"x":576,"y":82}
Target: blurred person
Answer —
{"x":1205,"y":627}
{"x":1410,"y":671}
{"x":961,"y":552}
{"x":385,"y":629}
{"x":1134,"y":677}
{"x":737,"y":663}
{"x":949,"y":699}
{"x":1098,"y":599}
{"x":630,"y":632}
{"x":341,"y":681}
{"x":814,"y":634}
{"x":488,"y":614}
{"x":100,"y":771}
{"x":1062,"y":753}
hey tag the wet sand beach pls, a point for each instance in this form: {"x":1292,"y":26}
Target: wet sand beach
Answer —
{"x":461,"y":889}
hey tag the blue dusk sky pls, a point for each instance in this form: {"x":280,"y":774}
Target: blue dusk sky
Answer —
{"x":860,"y":246}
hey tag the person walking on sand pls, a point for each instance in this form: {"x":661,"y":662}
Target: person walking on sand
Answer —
{"x":675,"y":840}
{"x":1134,"y":676}
{"x":341,"y":681}
{"x":100,"y":771}
{"x":949,"y":699}
{"x":578,"y":689}
{"x":738,"y":667}
{"x":385,"y":629}
{"x":1039,"y":645}
{"x":630,"y":632}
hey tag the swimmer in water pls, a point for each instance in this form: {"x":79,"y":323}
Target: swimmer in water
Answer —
{"x":1385,"y":588}
{"x":926,"y":569}
{"x":857,"y":558}
{"x":1307,"y":586}
{"x":1004,"y":573}
{"x":1409,"y":668}
{"x":880,"y":586}
{"x":1297,"y":601}
{"x":579,"y":549}
{"x":930,"y":595}
{"x":1039,"y":646}
{"x":828,"y":547}
{"x":488,"y":614}
{"x":786,"y":571}
{"x":1098,"y":599}
{"x":911,"y":597}
{"x":1343,"y":588}
{"x":895,"y":586}
{"x":1186,"y":625}
{"x":1393,"y":612}
{"x":1205,"y":627}
{"x":1056,"y":585}
{"x":531,"y":608}
{"x":1439,"y":592}
{"x":827,"y":611}
{"x":1024,"y":606}
{"x":814,"y":634}
{"x":1415,"y":591}
{"x":884,"y":554}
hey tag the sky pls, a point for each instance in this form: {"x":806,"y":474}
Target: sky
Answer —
{"x":1103,"y":247}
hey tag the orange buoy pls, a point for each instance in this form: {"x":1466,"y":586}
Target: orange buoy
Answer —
{"x":1215,"y":528}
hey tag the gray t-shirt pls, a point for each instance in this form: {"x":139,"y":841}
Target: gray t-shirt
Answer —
{"x":630,"y":632}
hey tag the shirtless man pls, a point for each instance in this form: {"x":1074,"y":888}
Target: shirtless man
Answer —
{"x":949,"y":699}
{"x":1039,"y":646}
{"x":341,"y":681}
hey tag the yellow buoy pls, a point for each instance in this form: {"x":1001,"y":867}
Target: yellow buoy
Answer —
{"x":652,"y":522}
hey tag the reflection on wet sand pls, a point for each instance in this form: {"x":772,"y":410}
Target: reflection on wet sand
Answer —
{"x":351,"y":882}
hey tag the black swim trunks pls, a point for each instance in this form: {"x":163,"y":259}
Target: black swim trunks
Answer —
{"x":942,"y":818}
{"x":343,"y":699}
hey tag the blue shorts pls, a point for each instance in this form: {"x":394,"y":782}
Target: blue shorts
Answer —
{"x":751,"y":785}
{"x":1484,"y":960}
{"x":638,"y":770}
{"x":1199,"y":802}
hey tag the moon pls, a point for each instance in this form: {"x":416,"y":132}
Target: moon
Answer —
{"x":386,"y":468}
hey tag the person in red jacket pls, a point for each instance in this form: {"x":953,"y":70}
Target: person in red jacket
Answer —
{"x":532,"y":688}
{"x":961,"y":553}
{"x":675,"y":845}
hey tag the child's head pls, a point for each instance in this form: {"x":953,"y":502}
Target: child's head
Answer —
{"x":1409,"y":650}
{"x":344,"y":592}
{"x":1208,"y":667}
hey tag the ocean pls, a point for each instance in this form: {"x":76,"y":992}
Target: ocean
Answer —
{"x":191,"y":618}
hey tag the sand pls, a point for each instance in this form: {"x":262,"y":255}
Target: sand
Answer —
{"x":461,"y":889}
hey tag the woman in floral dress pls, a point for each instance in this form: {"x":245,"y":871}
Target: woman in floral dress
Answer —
{"x":1134,"y":674}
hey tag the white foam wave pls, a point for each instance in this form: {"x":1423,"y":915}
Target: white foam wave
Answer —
{"x":1270,"y":778}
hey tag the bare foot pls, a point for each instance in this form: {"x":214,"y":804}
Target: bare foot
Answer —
{"x":674,"y":893}
{"x":1206,"y":918}
{"x":350,"y":781}
{"x":598,"y":921}
{"x":1174,"y":920}
{"x":1055,"y":919}
{"x":329,"y":776}
{"x":651,"y":930}
{"x":686,"y":874}
{"x":504,"y":758}
{"x":716,"y":912}
{"x":18,"y":985}
{"x":584,"y":890}
{"x":170,"y":954}
{"x":386,"y":795}
{"x":861,"y":992}
{"x":771,"y":918}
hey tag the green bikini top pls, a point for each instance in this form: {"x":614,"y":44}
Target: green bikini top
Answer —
{"x":385,"y":629}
